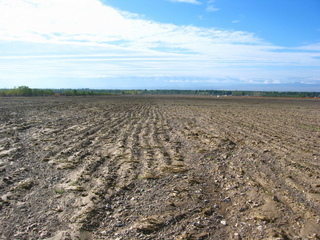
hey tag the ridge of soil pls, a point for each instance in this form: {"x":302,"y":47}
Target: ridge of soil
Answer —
{"x":159,"y":167}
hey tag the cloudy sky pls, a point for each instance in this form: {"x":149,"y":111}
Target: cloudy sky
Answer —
{"x":160,"y":44}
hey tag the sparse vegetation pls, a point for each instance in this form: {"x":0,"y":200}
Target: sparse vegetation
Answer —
{"x":59,"y":191}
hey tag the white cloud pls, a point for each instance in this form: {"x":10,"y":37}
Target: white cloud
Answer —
{"x":88,"y":21}
{"x":57,"y":38}
{"x":211,"y":8}
{"x":311,"y":47}
{"x":187,"y":1}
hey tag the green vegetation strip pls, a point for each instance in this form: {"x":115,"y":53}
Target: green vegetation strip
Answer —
{"x":26,"y":91}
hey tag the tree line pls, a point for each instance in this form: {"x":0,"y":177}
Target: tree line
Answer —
{"x":26,"y":91}
{"x":79,"y":92}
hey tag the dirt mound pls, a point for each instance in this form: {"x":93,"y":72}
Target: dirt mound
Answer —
{"x":143,"y":167}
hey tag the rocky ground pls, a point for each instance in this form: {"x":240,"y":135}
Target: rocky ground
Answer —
{"x":159,"y":167}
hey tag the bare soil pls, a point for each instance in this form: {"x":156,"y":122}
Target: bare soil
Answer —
{"x":159,"y":167}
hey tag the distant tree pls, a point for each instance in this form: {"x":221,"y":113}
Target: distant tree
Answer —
{"x":24,"y":91}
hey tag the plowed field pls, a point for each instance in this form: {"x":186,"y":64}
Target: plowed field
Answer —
{"x":159,"y":167}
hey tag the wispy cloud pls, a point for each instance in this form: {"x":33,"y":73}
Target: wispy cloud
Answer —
{"x":50,"y":22}
{"x":86,"y":39}
{"x":311,"y":47}
{"x":210,"y":7}
{"x":187,"y":1}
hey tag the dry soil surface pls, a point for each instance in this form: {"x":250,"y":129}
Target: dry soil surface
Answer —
{"x":159,"y":167}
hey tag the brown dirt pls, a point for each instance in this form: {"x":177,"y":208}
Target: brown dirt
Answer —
{"x":133,"y":167}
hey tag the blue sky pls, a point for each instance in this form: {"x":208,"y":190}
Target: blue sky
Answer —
{"x":162,"y":44}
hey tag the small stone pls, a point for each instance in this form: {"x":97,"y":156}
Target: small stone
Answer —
{"x":119,"y":224}
{"x":44,"y":234}
{"x":243,"y":209}
{"x":227,"y":200}
{"x":275,"y":198}
{"x":208,"y":211}
{"x":7,"y":180}
{"x":198,"y":224}
{"x":237,"y":236}
{"x":6,"y":198}
{"x":224,"y":222}
{"x":108,"y":207}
